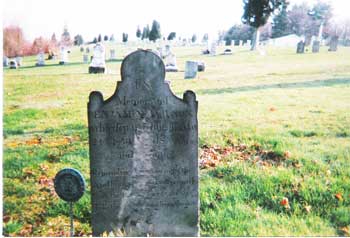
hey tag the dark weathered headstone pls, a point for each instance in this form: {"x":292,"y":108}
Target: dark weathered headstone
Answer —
{"x":144,"y":154}
{"x":333,"y":45}
{"x":13,"y":64}
{"x":201,"y":66}
{"x":316,"y":46}
{"x":300,"y":47}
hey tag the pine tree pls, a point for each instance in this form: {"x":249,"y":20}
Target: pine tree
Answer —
{"x":138,"y":32}
{"x":256,"y":14}
{"x":145,"y":32}
{"x":280,"y":26}
{"x":154,"y":34}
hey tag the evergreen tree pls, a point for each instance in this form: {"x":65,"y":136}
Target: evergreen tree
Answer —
{"x":205,"y":38}
{"x":105,"y":38}
{"x":138,"y":32}
{"x":94,"y":40}
{"x":194,"y":38}
{"x":78,"y":40}
{"x":171,"y":36}
{"x":145,"y":32}
{"x":111,"y":38}
{"x":256,"y":14}
{"x":280,"y":26}
{"x":154,"y":34}
{"x":99,"y":39}
{"x":125,"y":37}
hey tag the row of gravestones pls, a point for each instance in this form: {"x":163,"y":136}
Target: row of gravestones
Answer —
{"x":333,"y":46}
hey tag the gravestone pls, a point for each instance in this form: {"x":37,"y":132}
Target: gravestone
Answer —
{"x":112,"y":55}
{"x":13,"y":64}
{"x":98,"y":62}
{"x":40,"y":59}
{"x":63,"y":55}
{"x":300,"y":47}
{"x":316,"y":46}
{"x":144,"y":154}
{"x":333,"y":45}
{"x":201,"y":66}
{"x":18,"y":60}
{"x":87,"y":50}
{"x":5,"y":61}
{"x":191,"y":69}
{"x":213,"y":49}
{"x":227,"y":52}
{"x":85,"y":58}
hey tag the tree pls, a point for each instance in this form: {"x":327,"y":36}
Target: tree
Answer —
{"x":145,"y":33}
{"x":111,"y":38}
{"x":280,"y":26}
{"x":78,"y":40}
{"x":105,"y":38}
{"x":194,"y":38}
{"x":65,"y":38}
{"x":321,"y":13}
{"x":205,"y":38}
{"x":39,"y":45}
{"x":171,"y":36}
{"x":94,"y":40}
{"x":125,"y":37}
{"x":99,"y":39}
{"x":53,"y":44}
{"x":239,"y":32}
{"x":154,"y":34}
{"x":13,"y":41}
{"x":300,"y":23}
{"x":256,"y":14}
{"x":138,"y":32}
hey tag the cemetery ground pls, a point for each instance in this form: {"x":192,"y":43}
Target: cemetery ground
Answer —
{"x":274,"y":138}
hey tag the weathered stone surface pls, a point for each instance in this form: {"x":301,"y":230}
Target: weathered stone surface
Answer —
{"x":191,"y":69}
{"x":300,"y":47}
{"x":333,"y":45}
{"x":144,"y":154}
{"x":316,"y":46}
{"x":40,"y":59}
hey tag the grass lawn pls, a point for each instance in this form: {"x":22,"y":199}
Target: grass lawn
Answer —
{"x":274,"y":135}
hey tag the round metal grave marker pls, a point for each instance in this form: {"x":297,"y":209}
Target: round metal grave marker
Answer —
{"x":69,"y":184}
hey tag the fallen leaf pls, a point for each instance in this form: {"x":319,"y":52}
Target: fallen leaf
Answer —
{"x":285,"y":202}
{"x":307,"y":208}
{"x":339,"y":197}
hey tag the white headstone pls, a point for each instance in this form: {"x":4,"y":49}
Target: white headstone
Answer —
{"x":18,"y":60}
{"x":86,"y":58}
{"x":63,"y":55}
{"x":112,"y":53}
{"x":213,"y":48}
{"x":98,"y":59}
{"x":170,"y":63}
{"x":40,"y":59}
{"x":5,"y":61}
{"x":191,"y":69}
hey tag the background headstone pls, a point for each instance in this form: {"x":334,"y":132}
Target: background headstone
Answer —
{"x":5,"y":61}
{"x":300,"y":47}
{"x":112,"y":54}
{"x":63,"y":55}
{"x":98,"y":62}
{"x":316,"y":46}
{"x":85,"y":58}
{"x":18,"y":60}
{"x":13,"y":64}
{"x":87,"y":50}
{"x":144,"y":154}
{"x":40,"y":59}
{"x":191,"y":69}
{"x":213,"y":48}
{"x":201,"y":66}
{"x":333,"y":45}
{"x":81,"y":49}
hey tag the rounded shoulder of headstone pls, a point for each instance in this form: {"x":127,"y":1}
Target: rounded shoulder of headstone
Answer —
{"x":147,"y":57}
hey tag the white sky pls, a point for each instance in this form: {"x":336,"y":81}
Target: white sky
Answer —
{"x":90,"y":18}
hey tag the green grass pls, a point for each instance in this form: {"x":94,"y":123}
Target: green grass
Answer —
{"x":282,"y":102}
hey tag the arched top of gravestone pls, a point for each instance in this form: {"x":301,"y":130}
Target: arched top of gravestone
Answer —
{"x":143,"y":63}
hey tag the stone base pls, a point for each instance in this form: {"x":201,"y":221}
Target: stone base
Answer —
{"x":96,"y":70}
{"x":62,"y":62}
{"x":171,"y":69}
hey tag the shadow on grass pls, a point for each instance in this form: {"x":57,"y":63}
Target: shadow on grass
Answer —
{"x":306,"y":84}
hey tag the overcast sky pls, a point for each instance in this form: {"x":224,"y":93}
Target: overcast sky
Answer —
{"x":89,"y":18}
